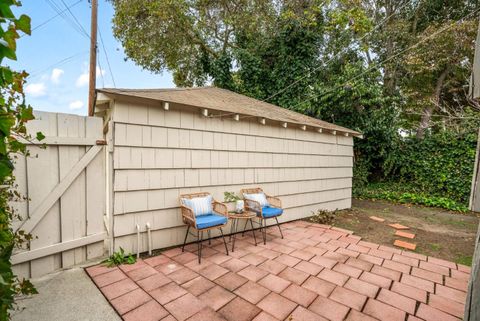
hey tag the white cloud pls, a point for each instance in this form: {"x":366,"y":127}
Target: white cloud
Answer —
{"x":83,"y":79}
{"x":76,"y":104}
{"x":56,"y":74}
{"x":36,"y":89}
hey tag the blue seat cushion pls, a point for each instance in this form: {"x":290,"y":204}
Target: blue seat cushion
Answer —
{"x":268,"y":211}
{"x":210,"y":220}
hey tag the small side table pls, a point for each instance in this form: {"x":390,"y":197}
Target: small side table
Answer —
{"x":236,"y":217}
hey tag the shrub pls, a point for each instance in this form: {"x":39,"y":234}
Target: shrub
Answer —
{"x":435,"y":171}
{"x":323,"y":217}
{"x":119,"y":257}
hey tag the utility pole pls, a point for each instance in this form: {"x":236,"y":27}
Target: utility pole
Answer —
{"x":93,"y":58}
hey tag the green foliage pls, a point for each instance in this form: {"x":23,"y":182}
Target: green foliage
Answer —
{"x":440,"y":164}
{"x":397,"y":193}
{"x":465,"y":260}
{"x":14,"y":113}
{"x":231,"y":197}
{"x":345,"y":62}
{"x":433,"y":171}
{"x":323,"y":217}
{"x":119,"y":258}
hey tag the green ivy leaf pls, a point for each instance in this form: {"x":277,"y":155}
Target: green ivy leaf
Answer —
{"x":40,"y":136}
{"x":6,"y":122}
{"x":7,"y":52}
{"x":6,"y":168}
{"x":24,"y":24}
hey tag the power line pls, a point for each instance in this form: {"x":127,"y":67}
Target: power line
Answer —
{"x":335,"y":56}
{"x":392,"y":57}
{"x":62,"y":14}
{"x":75,"y":18}
{"x":53,"y":17}
{"x":106,"y":57}
{"x":57,"y":64}
{"x":101,"y":71}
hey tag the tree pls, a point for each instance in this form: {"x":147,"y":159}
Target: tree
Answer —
{"x":365,"y":64}
{"x":14,"y":113}
{"x":436,"y":71}
{"x":191,"y":38}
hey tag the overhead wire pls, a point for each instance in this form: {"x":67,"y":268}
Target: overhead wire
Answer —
{"x":106,"y":57}
{"x":432,"y":35}
{"x":57,"y":64}
{"x":100,"y":70}
{"x":337,"y":54}
{"x":53,"y":17}
{"x":76,"y":20}
{"x":77,"y":26}
{"x":62,"y":14}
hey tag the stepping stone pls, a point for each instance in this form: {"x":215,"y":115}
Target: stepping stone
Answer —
{"x":406,"y":245}
{"x":405,"y":234}
{"x":399,"y":226}
{"x":377,"y":219}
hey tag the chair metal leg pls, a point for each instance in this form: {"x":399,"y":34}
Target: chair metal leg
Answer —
{"x":224,"y":242}
{"x":199,"y":245}
{"x":253,"y":231}
{"x":185,"y":241}
{"x":276,"y":219}
{"x":210,"y":238}
{"x":235,"y":222}
{"x":263,"y":225}
{"x":244,"y":228}
{"x":232,"y":225}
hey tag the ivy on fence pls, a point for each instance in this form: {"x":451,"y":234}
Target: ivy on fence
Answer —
{"x":14,"y":113}
{"x":434,"y":171}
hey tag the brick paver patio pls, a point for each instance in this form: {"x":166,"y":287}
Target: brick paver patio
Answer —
{"x":317,"y":272}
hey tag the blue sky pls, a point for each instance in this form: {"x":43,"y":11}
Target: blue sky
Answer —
{"x":56,"y":57}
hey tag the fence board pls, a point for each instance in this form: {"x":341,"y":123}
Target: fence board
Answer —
{"x":66,"y":198}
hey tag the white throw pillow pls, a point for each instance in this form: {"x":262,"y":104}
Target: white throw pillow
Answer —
{"x":259,"y":197}
{"x":199,"y":205}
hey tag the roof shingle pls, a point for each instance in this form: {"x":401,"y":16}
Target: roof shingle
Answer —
{"x":228,"y":102}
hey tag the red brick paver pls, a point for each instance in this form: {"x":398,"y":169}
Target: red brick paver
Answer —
{"x":315,"y":273}
{"x":405,"y":245}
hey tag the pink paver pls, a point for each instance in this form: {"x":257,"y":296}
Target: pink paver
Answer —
{"x":150,"y":311}
{"x":252,"y":292}
{"x":299,"y":295}
{"x":315,"y":273}
{"x":231,"y":281}
{"x":348,"y":297}
{"x":294,"y":275}
{"x":217,"y":297}
{"x":377,"y":219}
{"x":405,"y":245}
{"x":274,"y":283}
{"x":239,"y":310}
{"x":330,"y":309}
{"x":277,"y":305}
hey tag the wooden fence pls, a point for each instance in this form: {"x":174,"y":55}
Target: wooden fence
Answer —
{"x":64,"y":183}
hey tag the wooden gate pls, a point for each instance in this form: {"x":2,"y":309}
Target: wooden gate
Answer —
{"x":64,"y":184}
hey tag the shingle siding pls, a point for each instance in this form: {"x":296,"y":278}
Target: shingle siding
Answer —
{"x":160,"y":154}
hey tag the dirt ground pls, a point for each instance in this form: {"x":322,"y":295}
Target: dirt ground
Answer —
{"x":439,"y":233}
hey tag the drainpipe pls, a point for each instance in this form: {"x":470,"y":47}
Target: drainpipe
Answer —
{"x":138,"y":240}
{"x":149,"y":238}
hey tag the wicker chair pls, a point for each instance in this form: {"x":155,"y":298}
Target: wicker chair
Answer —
{"x":203,"y":223}
{"x":273,"y":210}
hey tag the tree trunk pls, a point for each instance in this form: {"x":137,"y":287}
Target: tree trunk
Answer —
{"x":428,"y":111}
